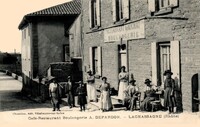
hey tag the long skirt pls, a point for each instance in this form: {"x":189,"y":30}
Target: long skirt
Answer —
{"x":145,"y":105}
{"x":91,"y":92}
{"x":169,"y":101}
{"x":122,"y":88}
{"x":105,"y":100}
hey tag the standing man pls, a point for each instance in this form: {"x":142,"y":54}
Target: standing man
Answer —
{"x":69,"y":91}
{"x":169,"y":87}
{"x":91,"y":88}
{"x":54,"y":92}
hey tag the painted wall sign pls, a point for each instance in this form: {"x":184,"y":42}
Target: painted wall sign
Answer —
{"x":127,"y":32}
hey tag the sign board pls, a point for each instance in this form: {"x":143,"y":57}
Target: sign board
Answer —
{"x":126,"y":32}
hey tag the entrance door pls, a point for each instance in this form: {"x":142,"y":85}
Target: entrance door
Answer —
{"x":123,"y":56}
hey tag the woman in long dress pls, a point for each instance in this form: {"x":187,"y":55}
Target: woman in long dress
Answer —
{"x":169,"y":87}
{"x":123,"y":83}
{"x":91,"y":88}
{"x":105,"y":99}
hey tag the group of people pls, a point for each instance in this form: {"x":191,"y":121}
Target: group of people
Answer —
{"x":55,"y":90}
{"x":128,"y":93}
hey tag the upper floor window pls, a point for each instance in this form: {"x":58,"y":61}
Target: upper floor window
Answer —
{"x":66,"y":53}
{"x":120,"y":10}
{"x":94,"y":13}
{"x":161,"y":6}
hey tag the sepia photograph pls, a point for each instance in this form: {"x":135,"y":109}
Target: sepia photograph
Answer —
{"x":100,"y":63}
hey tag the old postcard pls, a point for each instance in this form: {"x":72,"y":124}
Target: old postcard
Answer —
{"x":100,"y":63}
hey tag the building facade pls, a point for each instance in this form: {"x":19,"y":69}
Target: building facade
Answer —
{"x":147,"y":37}
{"x":45,"y":40}
{"x":76,"y":51}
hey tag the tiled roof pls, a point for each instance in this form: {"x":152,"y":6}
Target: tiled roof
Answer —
{"x":68,"y":8}
{"x":65,"y":9}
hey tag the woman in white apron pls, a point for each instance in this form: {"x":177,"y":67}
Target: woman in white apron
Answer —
{"x":123,"y":83}
{"x":91,"y":88}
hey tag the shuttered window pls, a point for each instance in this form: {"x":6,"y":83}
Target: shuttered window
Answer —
{"x":120,"y":10}
{"x":95,"y":54}
{"x":94,"y":13}
{"x":165,"y":55}
{"x":157,"y":5}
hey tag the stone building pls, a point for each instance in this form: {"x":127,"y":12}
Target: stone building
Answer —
{"x":45,"y":40}
{"x":146,"y":36}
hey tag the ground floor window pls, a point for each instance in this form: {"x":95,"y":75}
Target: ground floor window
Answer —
{"x":95,"y":60}
{"x":165,"y":55}
{"x":164,"y":61}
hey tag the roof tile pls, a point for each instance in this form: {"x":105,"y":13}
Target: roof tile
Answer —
{"x":68,"y":8}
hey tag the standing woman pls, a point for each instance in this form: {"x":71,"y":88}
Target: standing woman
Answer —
{"x":169,"y":86}
{"x":106,"y":104}
{"x":123,"y":83}
{"x":91,"y":88}
{"x":81,"y":96}
{"x":54,"y":92}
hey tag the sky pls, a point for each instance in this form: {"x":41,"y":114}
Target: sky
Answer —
{"x":11,"y":13}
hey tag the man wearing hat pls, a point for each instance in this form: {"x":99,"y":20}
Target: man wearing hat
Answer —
{"x":131,"y":92}
{"x":169,"y":86}
{"x":91,"y":88}
{"x":54,"y":92}
{"x":148,"y":97}
{"x":69,"y":92}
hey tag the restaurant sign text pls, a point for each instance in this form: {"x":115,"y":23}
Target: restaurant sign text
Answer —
{"x":126,"y":32}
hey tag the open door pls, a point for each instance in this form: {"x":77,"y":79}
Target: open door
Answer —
{"x":195,"y":94}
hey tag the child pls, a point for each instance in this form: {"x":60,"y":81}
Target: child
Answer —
{"x":81,"y":96}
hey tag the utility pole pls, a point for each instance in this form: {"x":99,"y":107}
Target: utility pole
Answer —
{"x":15,"y":61}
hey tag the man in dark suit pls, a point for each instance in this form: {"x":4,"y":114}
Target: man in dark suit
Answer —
{"x":69,"y":92}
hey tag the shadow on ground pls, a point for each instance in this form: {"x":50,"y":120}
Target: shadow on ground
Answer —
{"x":13,"y":100}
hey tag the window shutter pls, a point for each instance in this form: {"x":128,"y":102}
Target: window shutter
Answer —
{"x":99,"y":50}
{"x":154,"y":63}
{"x":99,"y":12}
{"x":174,"y":3}
{"x":126,"y":9}
{"x":90,"y":13}
{"x":199,"y":86}
{"x":175,"y":61}
{"x":152,"y":5}
{"x":91,"y":58}
{"x":114,"y":10}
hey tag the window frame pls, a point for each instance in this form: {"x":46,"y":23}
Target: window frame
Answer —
{"x":121,"y":11}
{"x":95,"y":14}
{"x":155,"y":7}
{"x":66,"y":53}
